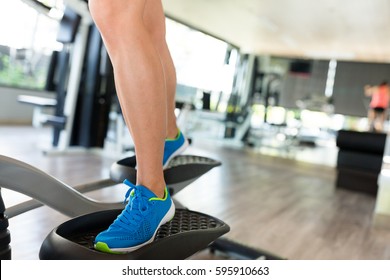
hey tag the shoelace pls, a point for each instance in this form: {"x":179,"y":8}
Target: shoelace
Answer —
{"x":134,"y":210}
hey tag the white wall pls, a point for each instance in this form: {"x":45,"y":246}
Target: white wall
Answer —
{"x":13,"y":112}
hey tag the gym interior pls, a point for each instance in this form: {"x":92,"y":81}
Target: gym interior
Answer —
{"x":270,"y":94}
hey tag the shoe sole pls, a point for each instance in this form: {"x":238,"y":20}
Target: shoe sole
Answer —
{"x":176,"y":153}
{"x":103,"y":247}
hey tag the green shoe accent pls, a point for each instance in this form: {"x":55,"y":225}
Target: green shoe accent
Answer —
{"x":174,"y":139}
{"x":103,"y":247}
{"x":161,"y":199}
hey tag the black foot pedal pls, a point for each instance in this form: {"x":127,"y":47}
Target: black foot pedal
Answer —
{"x":182,"y":170}
{"x":188,"y":233}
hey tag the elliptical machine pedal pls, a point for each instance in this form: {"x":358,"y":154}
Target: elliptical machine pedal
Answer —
{"x":188,"y":233}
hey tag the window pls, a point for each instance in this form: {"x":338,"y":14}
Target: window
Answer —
{"x":200,"y":59}
{"x":27,"y":42}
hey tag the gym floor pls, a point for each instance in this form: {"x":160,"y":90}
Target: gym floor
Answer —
{"x":285,"y":206}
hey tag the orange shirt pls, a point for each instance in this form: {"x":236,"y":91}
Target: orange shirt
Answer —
{"x":380,"y":97}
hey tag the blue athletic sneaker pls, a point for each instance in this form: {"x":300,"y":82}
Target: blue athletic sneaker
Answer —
{"x":138,"y":223}
{"x":174,"y":147}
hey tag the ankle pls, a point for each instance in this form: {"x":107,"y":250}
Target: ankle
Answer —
{"x":158,"y":191}
{"x":173,"y":132}
{"x":157,"y":187}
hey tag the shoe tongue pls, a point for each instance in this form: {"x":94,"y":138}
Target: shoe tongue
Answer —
{"x":146,"y":192}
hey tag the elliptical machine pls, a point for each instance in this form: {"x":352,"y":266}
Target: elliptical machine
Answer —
{"x":188,"y":232}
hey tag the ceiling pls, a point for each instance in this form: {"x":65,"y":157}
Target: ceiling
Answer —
{"x":321,"y":29}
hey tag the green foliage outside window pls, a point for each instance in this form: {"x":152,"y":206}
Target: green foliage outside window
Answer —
{"x":14,"y":75}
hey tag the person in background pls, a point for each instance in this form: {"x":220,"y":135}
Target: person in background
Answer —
{"x":377,"y":113}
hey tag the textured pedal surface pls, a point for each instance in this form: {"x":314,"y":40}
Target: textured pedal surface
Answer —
{"x":181,"y":169}
{"x":191,"y":159}
{"x":184,"y":221}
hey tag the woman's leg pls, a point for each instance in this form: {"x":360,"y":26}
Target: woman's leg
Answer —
{"x":155,"y":23}
{"x":141,"y":88}
{"x":381,"y":118}
{"x":140,"y":81}
{"x":371,"y":119}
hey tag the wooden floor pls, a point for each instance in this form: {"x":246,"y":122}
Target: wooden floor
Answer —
{"x":283,"y":206}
